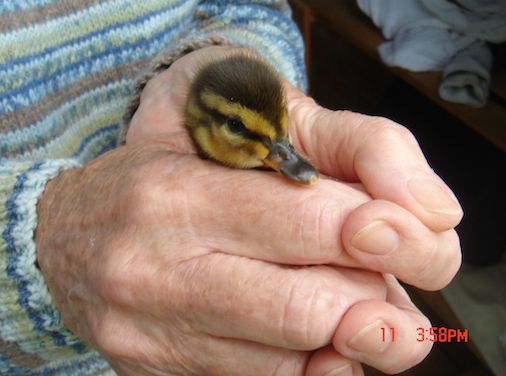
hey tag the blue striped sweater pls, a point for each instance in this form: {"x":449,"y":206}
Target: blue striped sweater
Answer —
{"x":67,"y":73}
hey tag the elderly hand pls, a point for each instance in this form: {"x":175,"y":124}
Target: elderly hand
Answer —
{"x":407,"y":229}
{"x":168,"y":264}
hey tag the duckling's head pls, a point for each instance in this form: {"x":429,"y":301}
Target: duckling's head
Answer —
{"x":236,"y":114}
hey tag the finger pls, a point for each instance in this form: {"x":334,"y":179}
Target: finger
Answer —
{"x":236,"y":357}
{"x":256,"y":214}
{"x":384,"y":335}
{"x":389,"y":239}
{"x":143,"y":335}
{"x":328,"y":362}
{"x":216,"y":357}
{"x":291,"y":307}
{"x":381,"y":154}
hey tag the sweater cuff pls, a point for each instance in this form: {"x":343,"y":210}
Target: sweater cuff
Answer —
{"x":28,"y":315}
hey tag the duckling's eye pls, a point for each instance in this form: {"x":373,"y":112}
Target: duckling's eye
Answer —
{"x":235,"y":125}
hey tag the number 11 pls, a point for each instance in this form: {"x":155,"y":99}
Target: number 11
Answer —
{"x":383,"y":334}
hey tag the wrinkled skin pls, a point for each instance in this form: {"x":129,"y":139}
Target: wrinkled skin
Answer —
{"x":169,"y":264}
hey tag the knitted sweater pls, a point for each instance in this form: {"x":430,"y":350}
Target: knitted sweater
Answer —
{"x":67,"y":72}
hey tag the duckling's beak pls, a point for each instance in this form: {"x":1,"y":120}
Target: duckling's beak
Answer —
{"x":284,"y":158}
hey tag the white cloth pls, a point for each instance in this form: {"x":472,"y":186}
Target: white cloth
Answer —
{"x":435,"y":35}
{"x":482,"y":19}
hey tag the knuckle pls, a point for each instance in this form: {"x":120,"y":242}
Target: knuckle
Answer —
{"x":390,"y":130}
{"x":117,"y":276}
{"x":452,"y":257}
{"x":114,"y":287}
{"x":144,"y":193}
{"x":156,"y":191}
{"x":455,"y":253}
{"x":423,"y":270}
{"x":306,"y":322}
{"x":389,"y":134}
{"x":386,"y":133}
{"x":303,"y":110}
{"x":441,"y":262}
{"x":109,"y":333}
{"x":317,"y":227}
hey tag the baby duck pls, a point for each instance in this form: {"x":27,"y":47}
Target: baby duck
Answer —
{"x":236,"y":114}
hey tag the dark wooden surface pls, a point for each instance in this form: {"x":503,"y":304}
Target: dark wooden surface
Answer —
{"x":344,"y":17}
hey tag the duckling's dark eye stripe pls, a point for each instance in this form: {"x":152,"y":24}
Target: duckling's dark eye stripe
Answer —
{"x":252,"y":135}
{"x":245,"y":132}
{"x":223,"y":120}
{"x":253,"y":119}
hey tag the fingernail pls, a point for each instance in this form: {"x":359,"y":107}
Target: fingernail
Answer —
{"x":341,"y":371}
{"x":378,"y":238}
{"x":374,"y":338}
{"x":432,"y":197}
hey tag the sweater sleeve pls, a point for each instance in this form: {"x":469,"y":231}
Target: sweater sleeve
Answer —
{"x":265,"y":26}
{"x":32,"y":332}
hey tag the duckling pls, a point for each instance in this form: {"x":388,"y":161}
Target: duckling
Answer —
{"x":236,"y":114}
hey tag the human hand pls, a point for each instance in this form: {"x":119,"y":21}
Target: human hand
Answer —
{"x":168,"y":264}
{"x":412,"y":208}
{"x":407,"y":229}
{"x":412,"y":239}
